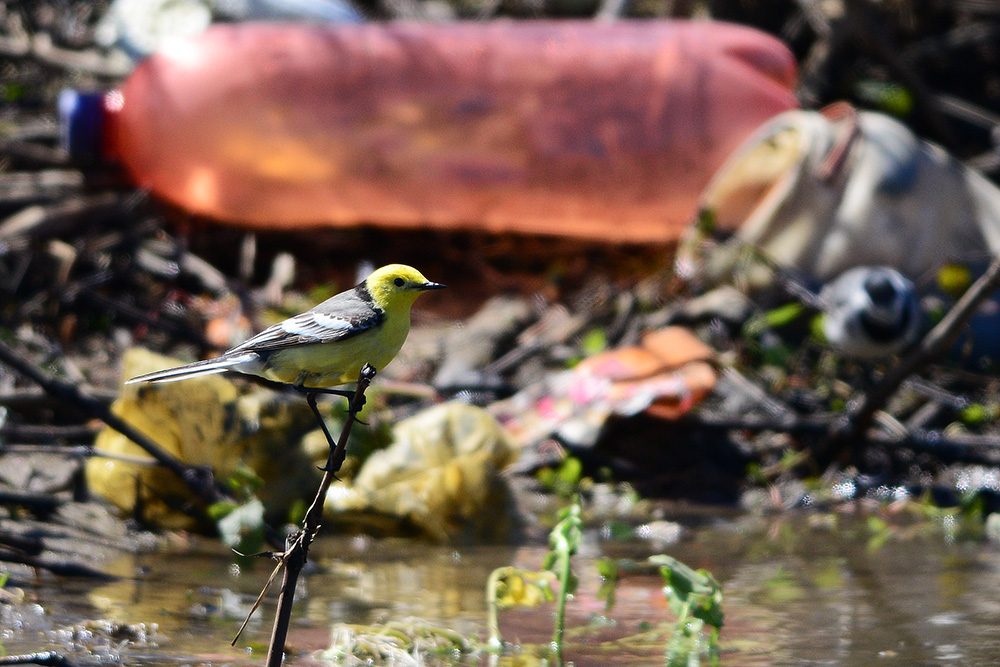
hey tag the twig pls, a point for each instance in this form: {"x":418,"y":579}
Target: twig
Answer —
{"x":23,"y":399}
{"x":297,"y":547}
{"x":295,"y":557}
{"x":949,"y":448}
{"x":937,"y":393}
{"x":818,"y":71}
{"x":62,"y":568}
{"x":50,"y":658}
{"x":773,"y":407}
{"x":47,"y":185}
{"x":849,"y":432}
{"x":27,"y":153}
{"x":816,"y":424}
{"x":263,"y":592}
{"x":812,"y":12}
{"x":86,"y":293}
{"x":26,"y":544}
{"x":35,"y":223}
{"x":77,"y":451}
{"x":924,"y":415}
{"x":42,"y":503}
{"x":40,"y":48}
{"x":45,"y":434}
{"x":199,"y":479}
{"x":493,"y":606}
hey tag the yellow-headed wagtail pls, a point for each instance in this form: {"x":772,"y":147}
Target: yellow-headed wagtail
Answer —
{"x":327,"y":345}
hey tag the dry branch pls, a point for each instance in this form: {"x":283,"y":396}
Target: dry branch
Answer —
{"x":297,"y":547}
{"x":199,"y":480}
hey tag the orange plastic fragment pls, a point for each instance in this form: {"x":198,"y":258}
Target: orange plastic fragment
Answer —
{"x":675,"y":346}
{"x":622,"y":365}
{"x":665,"y":382}
{"x":667,"y":376}
{"x":699,"y":378}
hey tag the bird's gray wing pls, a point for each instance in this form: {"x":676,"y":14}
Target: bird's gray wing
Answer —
{"x":342,"y":316}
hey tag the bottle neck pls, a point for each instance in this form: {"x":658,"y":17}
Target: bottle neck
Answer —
{"x":82,"y":126}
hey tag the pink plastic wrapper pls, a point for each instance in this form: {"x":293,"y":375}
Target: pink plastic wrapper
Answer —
{"x":591,"y":130}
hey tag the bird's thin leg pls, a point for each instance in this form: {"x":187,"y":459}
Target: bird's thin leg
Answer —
{"x":311,"y":400}
{"x":324,"y":390}
{"x":352,"y":409}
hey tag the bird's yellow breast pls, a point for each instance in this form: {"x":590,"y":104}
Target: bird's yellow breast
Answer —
{"x":339,"y":362}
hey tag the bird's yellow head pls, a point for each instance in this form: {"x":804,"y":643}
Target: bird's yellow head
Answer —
{"x":397,"y":285}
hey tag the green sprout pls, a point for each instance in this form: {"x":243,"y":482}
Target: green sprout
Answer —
{"x":508,"y":586}
{"x":695,"y":597}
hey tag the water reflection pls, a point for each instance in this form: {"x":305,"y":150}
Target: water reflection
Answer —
{"x":798,"y":592}
{"x":384,"y":580}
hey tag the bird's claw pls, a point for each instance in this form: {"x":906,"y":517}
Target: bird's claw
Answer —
{"x":328,"y":467}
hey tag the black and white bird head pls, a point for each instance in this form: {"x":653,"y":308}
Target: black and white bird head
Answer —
{"x":870,"y":312}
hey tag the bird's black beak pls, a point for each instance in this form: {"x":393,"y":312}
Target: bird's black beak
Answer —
{"x":430,"y":286}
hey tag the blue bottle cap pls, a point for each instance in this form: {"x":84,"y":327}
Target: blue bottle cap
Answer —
{"x":81,"y":123}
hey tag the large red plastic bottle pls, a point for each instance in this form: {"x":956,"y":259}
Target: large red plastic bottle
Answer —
{"x":587,"y":129}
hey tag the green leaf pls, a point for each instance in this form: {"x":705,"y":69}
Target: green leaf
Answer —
{"x":707,"y":222}
{"x":977,"y":414}
{"x":297,"y":511}
{"x":880,"y":532}
{"x":243,"y":528}
{"x":571,"y":471}
{"x":973,"y":506}
{"x":244,"y":481}
{"x":13,"y":92}
{"x":694,"y":592}
{"x":887,"y":96}
{"x":566,"y":535}
{"x":594,"y":341}
{"x":563,"y":480}
{"x":954,"y":279}
{"x":618,"y":531}
{"x":772,"y":319}
{"x":816,"y":331}
{"x":783,"y":315}
{"x":608,"y":569}
{"x":220,"y":509}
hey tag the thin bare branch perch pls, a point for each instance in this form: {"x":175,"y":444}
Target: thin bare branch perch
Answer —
{"x":297,"y":547}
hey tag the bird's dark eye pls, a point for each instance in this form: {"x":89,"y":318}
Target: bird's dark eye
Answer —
{"x":398,"y":282}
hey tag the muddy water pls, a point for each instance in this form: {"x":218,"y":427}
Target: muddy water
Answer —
{"x":807,"y":590}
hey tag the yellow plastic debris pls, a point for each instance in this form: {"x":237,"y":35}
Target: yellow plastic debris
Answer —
{"x":203,"y":421}
{"x":440,"y":477}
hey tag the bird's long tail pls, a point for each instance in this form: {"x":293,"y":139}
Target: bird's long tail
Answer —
{"x":207,"y":367}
